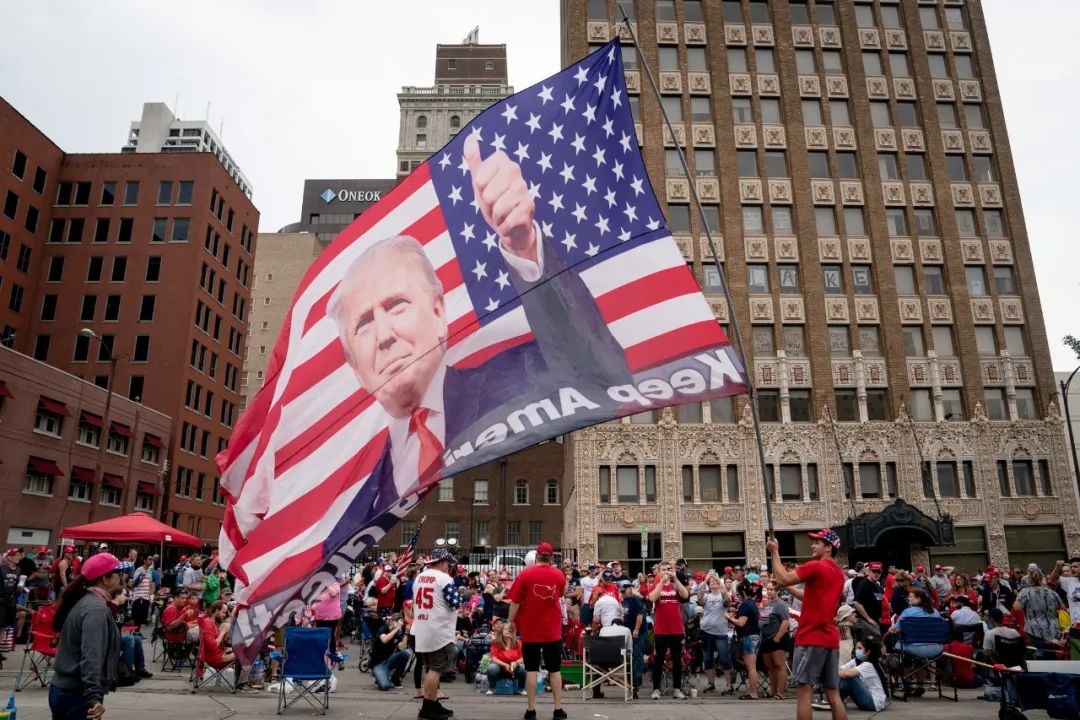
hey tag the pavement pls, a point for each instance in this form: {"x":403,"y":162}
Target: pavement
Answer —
{"x":167,"y":696}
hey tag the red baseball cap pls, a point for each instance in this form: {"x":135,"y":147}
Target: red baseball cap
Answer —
{"x":69,"y":548}
{"x":545,"y":548}
{"x":699,"y":576}
{"x":13,"y":552}
{"x":874,"y":566}
{"x":43,"y":549}
{"x":826,"y":534}
{"x":727,"y":568}
{"x":920,"y":568}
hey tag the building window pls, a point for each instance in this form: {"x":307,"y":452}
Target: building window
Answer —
{"x":535,"y":531}
{"x":144,"y":502}
{"x":481,"y":533}
{"x":480,"y":492}
{"x":769,"y":405}
{"x":453,"y":530}
{"x":604,"y":484}
{"x":847,"y":405}
{"x":40,"y":474}
{"x":551,"y":492}
{"x":180,"y":229}
{"x":789,"y":278}
{"x":764,"y":343}
{"x":131,"y":193}
{"x":832,"y":279}
{"x":1025,"y":404}
{"x":839,"y":341}
{"x":446,"y":490}
{"x":921,"y":407}
{"x":89,"y":430}
{"x":913,"y":341}
{"x":758,"y":278}
{"x":799,"y":405}
{"x":521,"y":492}
{"x":50,"y":417}
{"x":995,"y":403}
{"x":627,"y":484}
{"x":1040,"y":544}
{"x":688,"y":413}
{"x":408,"y":529}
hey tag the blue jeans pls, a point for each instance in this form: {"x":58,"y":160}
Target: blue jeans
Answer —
{"x":923,"y":650}
{"x":66,"y":705}
{"x":717,"y":651}
{"x":640,"y":644}
{"x":856,"y":689}
{"x":586,"y":614}
{"x":496,"y":673}
{"x":132,"y":649}
{"x":391,"y":668}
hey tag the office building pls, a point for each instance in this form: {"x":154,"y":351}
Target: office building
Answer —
{"x":159,"y":131}
{"x":853,"y":163}
{"x":330,"y":205}
{"x":468,"y":79}
{"x":153,"y":252}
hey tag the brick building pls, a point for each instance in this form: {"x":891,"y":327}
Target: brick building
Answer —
{"x":854,"y":166}
{"x":153,"y":252}
{"x":51,"y":426}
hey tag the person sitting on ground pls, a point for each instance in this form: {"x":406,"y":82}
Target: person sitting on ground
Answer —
{"x":389,"y":652}
{"x":862,"y":679}
{"x":506,"y":660}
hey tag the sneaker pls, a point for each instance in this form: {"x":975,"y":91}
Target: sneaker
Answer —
{"x":636,"y":695}
{"x":490,"y":692}
{"x":144,"y":674}
{"x":709,"y":689}
{"x":432,"y":710}
{"x":678,"y":694}
{"x":655,"y":695}
{"x":820,"y":706}
{"x":558,"y":714}
{"x":530,"y":714}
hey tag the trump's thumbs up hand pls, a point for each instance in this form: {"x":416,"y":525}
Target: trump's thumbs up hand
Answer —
{"x":503,"y":198}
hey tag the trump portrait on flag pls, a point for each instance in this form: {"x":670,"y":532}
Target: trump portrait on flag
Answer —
{"x":390,"y":312}
{"x":518,"y":285}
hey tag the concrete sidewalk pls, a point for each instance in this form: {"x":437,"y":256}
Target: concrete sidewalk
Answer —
{"x":167,"y":696}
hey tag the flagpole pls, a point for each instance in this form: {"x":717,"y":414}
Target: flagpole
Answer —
{"x":736,"y":335}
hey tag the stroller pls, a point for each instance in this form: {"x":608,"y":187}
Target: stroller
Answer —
{"x":476,"y":647}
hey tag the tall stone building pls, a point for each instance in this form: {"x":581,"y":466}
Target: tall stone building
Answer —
{"x":468,"y":78}
{"x":854,"y":166}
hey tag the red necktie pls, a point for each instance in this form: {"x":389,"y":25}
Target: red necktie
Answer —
{"x":430,"y":447}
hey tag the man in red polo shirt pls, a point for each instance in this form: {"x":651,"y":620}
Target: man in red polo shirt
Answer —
{"x":536,"y":600}
{"x":817,"y":643}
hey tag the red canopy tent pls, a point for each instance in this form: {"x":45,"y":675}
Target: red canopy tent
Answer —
{"x":134,"y":528}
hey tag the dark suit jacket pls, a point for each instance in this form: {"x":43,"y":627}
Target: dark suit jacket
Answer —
{"x":573,"y":347}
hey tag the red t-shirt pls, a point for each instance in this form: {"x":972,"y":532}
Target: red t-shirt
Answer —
{"x":667,"y":612}
{"x":538,"y":590}
{"x":601,"y":590}
{"x":214,"y":653}
{"x":169,"y":616}
{"x":386,"y":599}
{"x":823,"y":585}
{"x":507,"y":656}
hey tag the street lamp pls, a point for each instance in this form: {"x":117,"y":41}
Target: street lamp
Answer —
{"x":1068,"y":421}
{"x":104,"y":439}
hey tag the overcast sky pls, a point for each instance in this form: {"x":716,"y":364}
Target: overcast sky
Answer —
{"x":308,"y":89}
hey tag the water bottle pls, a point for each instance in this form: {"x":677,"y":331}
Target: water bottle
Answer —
{"x":258,"y":672}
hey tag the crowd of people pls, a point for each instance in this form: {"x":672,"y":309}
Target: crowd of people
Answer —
{"x":754,"y":631}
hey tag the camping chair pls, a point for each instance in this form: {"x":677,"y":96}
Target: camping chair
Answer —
{"x":40,"y":650}
{"x":203,"y":674}
{"x":176,"y":654}
{"x":1011,"y":652}
{"x":924,"y":630}
{"x":606,"y":660}
{"x":305,"y":668}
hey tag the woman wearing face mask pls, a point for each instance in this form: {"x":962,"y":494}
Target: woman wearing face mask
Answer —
{"x":714,"y":633}
{"x":775,"y":640}
{"x":862,"y":679}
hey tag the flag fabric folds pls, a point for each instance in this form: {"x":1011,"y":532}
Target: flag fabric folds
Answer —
{"x":519,"y":284}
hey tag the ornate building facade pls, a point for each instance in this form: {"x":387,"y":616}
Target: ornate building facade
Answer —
{"x":854,"y":168}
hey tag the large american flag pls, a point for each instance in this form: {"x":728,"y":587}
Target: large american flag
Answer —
{"x":310,"y":438}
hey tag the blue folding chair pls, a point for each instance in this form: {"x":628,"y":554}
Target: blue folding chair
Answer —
{"x":925,"y":631}
{"x":306,"y":666}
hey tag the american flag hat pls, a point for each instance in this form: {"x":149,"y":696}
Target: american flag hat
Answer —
{"x":828,"y":535}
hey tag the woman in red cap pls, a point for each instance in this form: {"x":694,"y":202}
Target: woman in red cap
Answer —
{"x":89,"y":649}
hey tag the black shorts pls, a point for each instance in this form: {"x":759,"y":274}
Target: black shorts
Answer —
{"x":551,"y":652}
{"x":768,"y":645}
{"x":439,"y":660}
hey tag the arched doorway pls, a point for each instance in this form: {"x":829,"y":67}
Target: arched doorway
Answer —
{"x":888,"y":536}
{"x":893,"y":547}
